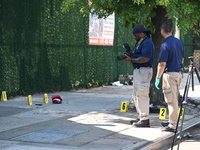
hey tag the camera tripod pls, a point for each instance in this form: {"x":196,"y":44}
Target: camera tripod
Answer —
{"x":190,"y":76}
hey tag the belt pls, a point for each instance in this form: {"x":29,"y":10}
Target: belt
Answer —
{"x":142,"y":67}
{"x":172,"y":71}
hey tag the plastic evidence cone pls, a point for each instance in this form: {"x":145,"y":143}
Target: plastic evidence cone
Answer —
{"x":45,"y":99}
{"x":3,"y":96}
{"x":29,"y":100}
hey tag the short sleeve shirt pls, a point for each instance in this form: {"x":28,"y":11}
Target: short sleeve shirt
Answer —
{"x":172,"y":52}
{"x":144,"y":49}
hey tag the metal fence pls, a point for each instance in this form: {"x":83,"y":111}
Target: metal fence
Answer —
{"x":43,"y":49}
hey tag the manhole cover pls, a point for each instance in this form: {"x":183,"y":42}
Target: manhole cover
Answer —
{"x":48,"y":135}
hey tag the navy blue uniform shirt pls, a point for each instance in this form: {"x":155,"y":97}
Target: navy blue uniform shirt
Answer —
{"x":144,"y":49}
{"x":172,"y":52}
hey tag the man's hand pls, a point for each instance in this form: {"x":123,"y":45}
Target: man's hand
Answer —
{"x":128,"y":59}
{"x":138,"y":60}
{"x":157,"y":83}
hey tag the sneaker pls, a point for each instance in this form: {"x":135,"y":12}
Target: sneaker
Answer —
{"x":168,"y":129}
{"x":134,"y":121}
{"x":164,"y":124}
{"x":142,"y":123}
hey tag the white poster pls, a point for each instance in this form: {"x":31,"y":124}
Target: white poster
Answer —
{"x":101,"y":31}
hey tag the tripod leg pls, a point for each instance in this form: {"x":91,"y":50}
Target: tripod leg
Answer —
{"x":183,"y":114}
{"x":177,"y":126}
{"x":192,"y":80}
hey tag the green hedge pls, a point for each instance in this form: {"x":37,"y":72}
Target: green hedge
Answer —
{"x":43,"y":49}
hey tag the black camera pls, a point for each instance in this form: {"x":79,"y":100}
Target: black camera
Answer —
{"x":128,"y":52}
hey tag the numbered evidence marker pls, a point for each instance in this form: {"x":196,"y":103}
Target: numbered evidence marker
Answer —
{"x":163,"y":113}
{"x":124,"y":106}
{"x":181,"y":115}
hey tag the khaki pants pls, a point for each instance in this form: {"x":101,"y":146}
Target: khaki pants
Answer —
{"x":170,"y":86}
{"x":141,"y":84}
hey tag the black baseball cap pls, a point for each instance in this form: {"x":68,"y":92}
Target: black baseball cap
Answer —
{"x":140,"y":28}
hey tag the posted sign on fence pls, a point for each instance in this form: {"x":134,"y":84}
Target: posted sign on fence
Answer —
{"x":101,"y":31}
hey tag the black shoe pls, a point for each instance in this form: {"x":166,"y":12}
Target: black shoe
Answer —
{"x":164,"y":124}
{"x":142,"y":123}
{"x":168,"y":129}
{"x":134,"y":121}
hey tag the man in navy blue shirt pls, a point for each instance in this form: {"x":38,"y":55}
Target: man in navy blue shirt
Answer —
{"x":170,"y":63}
{"x":142,"y":60}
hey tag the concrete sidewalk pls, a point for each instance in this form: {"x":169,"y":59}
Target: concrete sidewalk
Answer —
{"x":86,"y":120}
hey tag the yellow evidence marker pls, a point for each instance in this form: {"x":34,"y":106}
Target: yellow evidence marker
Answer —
{"x":29,"y":100}
{"x":45,"y":99}
{"x":181,"y":115}
{"x":124,"y":106}
{"x":3,"y":96}
{"x":163,"y":113}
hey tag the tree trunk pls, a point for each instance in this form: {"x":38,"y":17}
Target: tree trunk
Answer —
{"x":156,"y":96}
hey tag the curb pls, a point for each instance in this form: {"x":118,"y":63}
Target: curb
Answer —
{"x":164,"y":142}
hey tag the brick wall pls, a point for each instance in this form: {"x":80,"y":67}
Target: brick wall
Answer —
{"x":197,"y":58}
